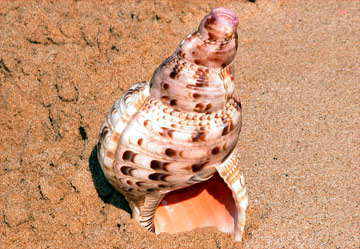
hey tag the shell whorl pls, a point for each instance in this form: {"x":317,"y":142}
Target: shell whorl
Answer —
{"x":198,"y":77}
{"x":219,"y":25}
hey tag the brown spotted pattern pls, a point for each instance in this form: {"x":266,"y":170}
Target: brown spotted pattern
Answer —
{"x":179,"y":128}
{"x":198,"y":76}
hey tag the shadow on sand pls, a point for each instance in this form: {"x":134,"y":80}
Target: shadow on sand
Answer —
{"x":104,"y":189}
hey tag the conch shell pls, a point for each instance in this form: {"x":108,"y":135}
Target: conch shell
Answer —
{"x":179,"y":130}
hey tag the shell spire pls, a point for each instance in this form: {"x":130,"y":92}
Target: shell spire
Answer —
{"x":193,"y":78}
{"x":163,"y":137}
{"x":219,"y":25}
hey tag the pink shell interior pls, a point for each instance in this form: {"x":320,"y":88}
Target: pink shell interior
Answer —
{"x":208,"y":203}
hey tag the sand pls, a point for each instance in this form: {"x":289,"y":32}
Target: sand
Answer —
{"x":64,"y":63}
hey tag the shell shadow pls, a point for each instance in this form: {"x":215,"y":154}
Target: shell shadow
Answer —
{"x":104,"y":189}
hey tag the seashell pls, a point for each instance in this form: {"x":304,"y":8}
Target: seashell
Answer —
{"x":169,"y":145}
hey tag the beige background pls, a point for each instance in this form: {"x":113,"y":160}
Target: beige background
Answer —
{"x":63,"y":64}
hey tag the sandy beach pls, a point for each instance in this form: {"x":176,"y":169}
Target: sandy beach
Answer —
{"x":64,"y":63}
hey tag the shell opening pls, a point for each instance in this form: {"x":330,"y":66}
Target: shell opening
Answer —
{"x":209,"y":203}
